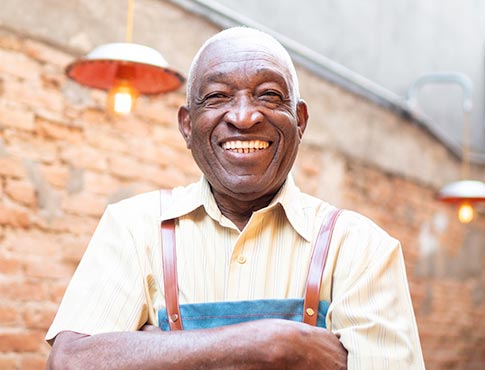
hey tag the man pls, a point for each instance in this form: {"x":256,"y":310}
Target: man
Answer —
{"x":244,"y":232}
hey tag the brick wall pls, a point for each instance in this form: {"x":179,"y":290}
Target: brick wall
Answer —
{"x":62,"y":160}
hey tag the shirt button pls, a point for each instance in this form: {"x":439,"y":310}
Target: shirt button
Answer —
{"x":241,"y":260}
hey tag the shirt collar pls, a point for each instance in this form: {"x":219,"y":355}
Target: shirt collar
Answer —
{"x":289,"y":198}
{"x":184,"y":200}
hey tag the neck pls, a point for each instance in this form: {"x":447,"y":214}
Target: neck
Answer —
{"x":239,"y":210}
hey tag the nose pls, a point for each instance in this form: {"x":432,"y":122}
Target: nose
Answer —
{"x":243,"y":113}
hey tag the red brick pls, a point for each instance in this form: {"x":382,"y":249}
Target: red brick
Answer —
{"x":43,"y":268}
{"x":56,"y":290}
{"x":9,"y":315}
{"x":33,"y":362}
{"x":84,"y":156}
{"x":99,"y":99}
{"x":38,"y":316}
{"x":152,"y":110}
{"x":10,"y":41}
{"x":23,"y":145}
{"x":18,"y":65}
{"x":31,"y":242}
{"x":105,"y":138}
{"x":163,"y":155}
{"x":21,"y":290}
{"x":53,"y":78}
{"x":12,"y":167}
{"x":93,"y":117}
{"x":125,"y":167}
{"x":173,"y":100}
{"x":16,"y":118}
{"x":20,"y":340}
{"x":133,"y":189}
{"x":169,"y":137}
{"x":73,"y":247}
{"x":172,"y":178}
{"x":8,"y":362}
{"x":102,"y":184}
{"x":33,"y":95}
{"x":75,"y":224}
{"x":16,"y":217}
{"x":56,"y":175}
{"x":9,"y":265}
{"x":21,"y":191}
{"x":46,"y":54}
{"x":66,"y":117}
{"x":136,"y":128}
{"x":53,"y":130}
{"x":84,"y":204}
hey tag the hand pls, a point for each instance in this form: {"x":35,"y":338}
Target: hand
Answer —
{"x":294,"y":345}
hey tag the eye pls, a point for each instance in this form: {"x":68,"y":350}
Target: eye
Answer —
{"x":213,"y":99}
{"x":216,"y":95}
{"x":271,"y":96}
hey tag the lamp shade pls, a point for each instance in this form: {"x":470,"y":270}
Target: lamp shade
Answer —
{"x":143,"y":66}
{"x":461,"y":191}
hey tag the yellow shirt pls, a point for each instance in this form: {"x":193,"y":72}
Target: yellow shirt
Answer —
{"x":118,"y":284}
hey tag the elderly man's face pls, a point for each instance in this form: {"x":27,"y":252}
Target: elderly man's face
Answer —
{"x":243,"y":124}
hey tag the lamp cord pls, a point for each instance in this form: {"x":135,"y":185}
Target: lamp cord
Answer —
{"x":129,"y":21}
{"x":465,"y":160}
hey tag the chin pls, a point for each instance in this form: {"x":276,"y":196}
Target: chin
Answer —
{"x":248,"y":188}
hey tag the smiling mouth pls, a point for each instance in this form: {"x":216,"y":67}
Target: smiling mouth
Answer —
{"x":251,"y":146}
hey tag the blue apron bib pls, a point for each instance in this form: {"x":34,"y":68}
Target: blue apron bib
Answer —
{"x":213,"y":314}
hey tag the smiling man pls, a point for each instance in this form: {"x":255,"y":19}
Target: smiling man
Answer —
{"x":234,"y":263}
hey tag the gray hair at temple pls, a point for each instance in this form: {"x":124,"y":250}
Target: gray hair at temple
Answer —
{"x":238,"y":32}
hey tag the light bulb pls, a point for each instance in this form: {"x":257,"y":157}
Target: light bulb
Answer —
{"x":465,"y":213}
{"x":121,"y":98}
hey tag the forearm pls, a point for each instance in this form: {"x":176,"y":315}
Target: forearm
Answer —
{"x":269,"y":344}
{"x":206,"y":349}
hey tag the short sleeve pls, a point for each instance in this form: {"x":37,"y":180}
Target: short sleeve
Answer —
{"x":371,"y":309}
{"x":106,"y":293}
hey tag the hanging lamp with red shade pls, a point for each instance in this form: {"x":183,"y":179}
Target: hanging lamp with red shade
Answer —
{"x":126,"y":70}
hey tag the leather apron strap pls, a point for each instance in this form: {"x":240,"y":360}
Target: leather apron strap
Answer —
{"x":317,"y":265}
{"x":313,"y":285}
{"x":170,"y":279}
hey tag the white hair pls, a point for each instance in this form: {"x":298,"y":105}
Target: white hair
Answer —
{"x":237,"y":32}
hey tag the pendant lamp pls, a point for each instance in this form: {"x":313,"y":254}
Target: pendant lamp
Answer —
{"x":126,"y":70}
{"x":464,"y":193}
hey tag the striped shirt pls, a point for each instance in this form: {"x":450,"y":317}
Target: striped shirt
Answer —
{"x":118,"y":285}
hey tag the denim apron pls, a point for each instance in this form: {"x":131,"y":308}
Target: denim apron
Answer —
{"x":191,"y":316}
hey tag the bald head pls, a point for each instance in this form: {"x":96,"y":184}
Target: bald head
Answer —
{"x":239,"y":36}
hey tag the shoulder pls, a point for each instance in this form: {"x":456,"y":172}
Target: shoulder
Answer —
{"x":361,"y":242}
{"x":142,"y":204}
{"x":149,"y":205}
{"x":354,"y":222}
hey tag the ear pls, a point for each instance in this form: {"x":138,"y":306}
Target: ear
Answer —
{"x":302,"y":116}
{"x":185,"y":124}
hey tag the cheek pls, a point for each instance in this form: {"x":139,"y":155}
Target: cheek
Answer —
{"x":201,"y":141}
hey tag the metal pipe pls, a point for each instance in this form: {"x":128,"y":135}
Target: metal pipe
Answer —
{"x":443,"y":77}
{"x":329,"y":70}
{"x":465,"y":83}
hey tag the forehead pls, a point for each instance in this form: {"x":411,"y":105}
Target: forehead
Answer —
{"x":243,"y":56}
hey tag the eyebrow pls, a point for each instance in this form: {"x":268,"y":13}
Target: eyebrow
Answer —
{"x":221,"y":77}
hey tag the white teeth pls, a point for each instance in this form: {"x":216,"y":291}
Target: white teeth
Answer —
{"x":245,"y":146}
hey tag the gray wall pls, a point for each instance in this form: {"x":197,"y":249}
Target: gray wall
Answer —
{"x":393,"y":43}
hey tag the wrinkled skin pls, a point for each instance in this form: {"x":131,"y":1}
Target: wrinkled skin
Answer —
{"x":243,"y":95}
{"x":243,"y":124}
